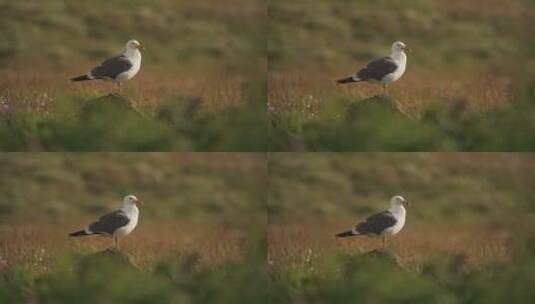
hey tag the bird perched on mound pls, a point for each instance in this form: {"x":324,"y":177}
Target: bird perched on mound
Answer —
{"x":115,"y":224}
{"x":382,"y":70}
{"x":119,"y":68}
{"x":382,"y":224}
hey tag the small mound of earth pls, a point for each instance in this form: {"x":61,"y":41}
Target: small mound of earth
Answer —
{"x":385,"y":255}
{"x":106,"y":104}
{"x":110,"y":256}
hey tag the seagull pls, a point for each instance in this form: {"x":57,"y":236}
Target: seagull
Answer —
{"x":119,"y":68}
{"x":382,"y":224}
{"x":115,"y":224}
{"x":383,"y":70}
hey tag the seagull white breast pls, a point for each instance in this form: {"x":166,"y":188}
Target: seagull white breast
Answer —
{"x":132,"y":212}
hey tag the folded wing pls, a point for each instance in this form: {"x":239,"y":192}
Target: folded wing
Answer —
{"x":109,"y":223}
{"x":376,"y":223}
{"x":377,"y":69}
{"x":111,"y":68}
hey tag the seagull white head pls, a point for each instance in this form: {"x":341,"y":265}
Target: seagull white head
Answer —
{"x":399,"y":46}
{"x":131,"y":200}
{"x":397,"y":201}
{"x":133,"y":45}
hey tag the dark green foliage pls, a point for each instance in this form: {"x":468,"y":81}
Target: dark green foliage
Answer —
{"x":104,"y":281}
{"x":237,"y":128}
{"x":174,"y":186}
{"x":175,"y":33}
{"x":15,"y":283}
{"x":111,"y":123}
{"x":480,"y":186}
{"x":330,"y":32}
{"x":107,"y":279}
{"x":337,"y":279}
{"x":345,"y":278}
{"x":375,"y":124}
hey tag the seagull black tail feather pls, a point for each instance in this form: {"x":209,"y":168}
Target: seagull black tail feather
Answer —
{"x":347,"y":80}
{"x":346,"y":234}
{"x":80,"y":78}
{"x":79,"y":233}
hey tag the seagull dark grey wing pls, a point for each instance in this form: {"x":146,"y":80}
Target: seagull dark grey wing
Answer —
{"x":377,"y":69}
{"x":376,"y":223}
{"x":112,"y":67}
{"x":109,"y":223}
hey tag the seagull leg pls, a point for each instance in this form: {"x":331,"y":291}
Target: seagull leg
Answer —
{"x":384,"y":242}
{"x":116,"y":239}
{"x":384,"y":89}
{"x":119,"y":86}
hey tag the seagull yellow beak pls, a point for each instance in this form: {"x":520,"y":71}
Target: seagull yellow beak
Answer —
{"x":139,"y":202}
{"x":408,"y":49}
{"x":141,"y":47}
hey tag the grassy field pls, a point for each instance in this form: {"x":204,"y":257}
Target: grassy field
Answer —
{"x":468,"y":74}
{"x":468,"y":233}
{"x":211,"y":68}
{"x":193,"y":243}
{"x":203,"y":70}
{"x":242,"y":228}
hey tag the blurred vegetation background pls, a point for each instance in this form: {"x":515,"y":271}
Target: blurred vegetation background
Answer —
{"x":204,"y":235}
{"x":203,"y":69}
{"x":467,"y":86}
{"x":179,"y":35}
{"x":174,"y":185}
{"x":468,"y":234}
{"x":455,"y":187}
{"x":200,"y":237}
{"x":487,"y":34}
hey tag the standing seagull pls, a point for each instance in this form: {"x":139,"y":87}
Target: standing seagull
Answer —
{"x":119,"y":68}
{"x":383,"y":70}
{"x":115,"y":224}
{"x":385,"y":223}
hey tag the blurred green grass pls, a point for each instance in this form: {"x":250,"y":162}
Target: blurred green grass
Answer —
{"x":174,"y":185}
{"x":441,"y":33}
{"x":176,"y":33}
{"x":452,"y":187}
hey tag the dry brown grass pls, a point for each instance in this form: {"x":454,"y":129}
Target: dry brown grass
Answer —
{"x":37,"y":245}
{"x":303,"y":246}
{"x":36,"y":91}
{"x":306,"y":92}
